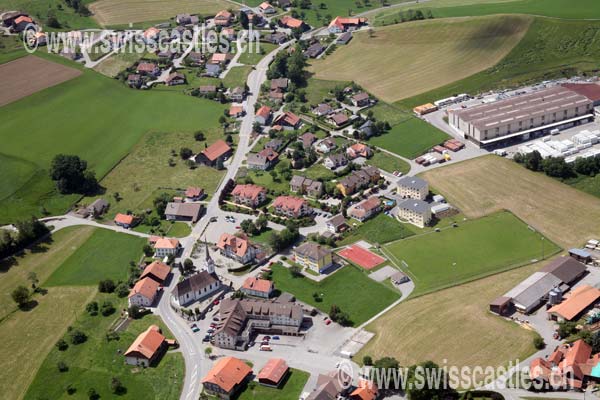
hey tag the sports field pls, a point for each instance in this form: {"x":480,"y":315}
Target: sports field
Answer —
{"x":473,"y":249}
{"x":27,"y":75}
{"x":428,"y":54}
{"x":453,"y":324}
{"x":361,"y":257}
{"x":378,"y":230}
{"x":118,"y":12}
{"x":92,"y":116}
{"x":488,"y":184}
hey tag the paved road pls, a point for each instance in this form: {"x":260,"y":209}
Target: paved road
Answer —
{"x":64,"y":221}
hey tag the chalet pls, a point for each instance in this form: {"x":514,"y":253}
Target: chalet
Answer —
{"x":166,"y":55}
{"x":326,"y":145}
{"x":367,"y":128}
{"x":336,"y":224}
{"x":292,"y":207}
{"x":339,"y":119}
{"x":207,"y":90}
{"x":276,"y":38}
{"x":134,"y":80}
{"x":189,"y":212}
{"x":223,"y":18}
{"x":307,"y":140}
{"x":146,"y":348}
{"x":166,"y":247}
{"x":334,"y":161}
{"x":334,"y":385}
{"x":213,"y":70}
{"x":284,"y":3}
{"x":151,"y":34}
{"x":366,"y":390}
{"x":226,"y":378}
{"x":195,"y":287}
{"x":143,"y":292}
{"x":215,"y":153}
{"x":288,"y":120}
{"x":276,"y":95}
{"x":257,"y":287}
{"x":196,"y":58}
{"x":314,"y":50}
{"x":263,"y":115}
{"x":249,"y":195}
{"x":147,"y":68}
{"x":341,"y":24}
{"x":262,"y":160}
{"x":221,"y":58}
{"x":322,"y":109}
{"x":124,"y":220}
{"x":360,"y":99}
{"x":9,"y":17}
{"x":280,"y":84}
{"x":359,"y":150}
{"x":292,"y":23}
{"x":157,"y":271}
{"x":229,"y":34}
{"x":21,"y":23}
{"x":273,"y":373}
{"x":266,"y":8}
{"x":365,"y":209}
{"x":237,"y":248}
{"x":175,"y":78}
{"x":186,"y":19}
{"x":274,"y":144}
{"x":302,"y":185}
{"x":194,"y":193}
{"x":237,"y":94}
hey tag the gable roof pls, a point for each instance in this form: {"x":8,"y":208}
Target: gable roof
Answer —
{"x":248,"y":191}
{"x":567,"y":269}
{"x":264,"y":112}
{"x":145,"y":287}
{"x":239,"y":245}
{"x":157,"y":269}
{"x":257,"y":284}
{"x":216,"y":150}
{"x":166,"y":243}
{"x":291,"y":22}
{"x":227,"y":373}
{"x":194,"y":191}
{"x":312,"y":250}
{"x":274,"y":370}
{"x":289,"y":202}
{"x":366,"y":390}
{"x":124,"y":219}
{"x":194,"y":283}
{"x":147,"y":343}
{"x":581,"y":298}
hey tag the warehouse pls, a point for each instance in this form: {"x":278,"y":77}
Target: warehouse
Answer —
{"x":522,"y":117}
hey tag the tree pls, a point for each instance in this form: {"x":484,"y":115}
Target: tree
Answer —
{"x":72,"y":176}
{"x":122,"y":289}
{"x":62,"y":366}
{"x":199,"y":136}
{"x":427,"y":389}
{"x":135,"y":312}
{"x":92,"y":308}
{"x":185,"y":153}
{"x":295,"y":271}
{"x":52,"y":22}
{"x":107,"y":308}
{"x":148,"y":250}
{"x":92,"y":394}
{"x":208,"y":351}
{"x":32,"y":277}
{"x":261,"y":222}
{"x":116,"y":386}
{"x":77,"y":337}
{"x":188,"y":266}
{"x":61,"y":345}
{"x":160,"y":203}
{"x":21,"y":296}
{"x":367,"y":360}
{"x":538,"y":343}
{"x":106,"y":286}
{"x":244,"y":20}
{"x":339,"y":316}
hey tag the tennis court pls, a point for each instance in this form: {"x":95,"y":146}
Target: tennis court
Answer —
{"x":361,"y":256}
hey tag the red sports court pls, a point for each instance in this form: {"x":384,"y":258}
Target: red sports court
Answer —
{"x":361,"y":256}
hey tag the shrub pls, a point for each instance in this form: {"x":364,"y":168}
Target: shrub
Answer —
{"x":21,"y":295}
{"x":538,"y":343}
{"x":61,"y":345}
{"x":106,"y":286}
{"x":92,"y":308}
{"x":62,"y":367}
{"x":77,"y":336}
{"x":367,"y":360}
{"x":107,"y":308}
{"x":122,"y":289}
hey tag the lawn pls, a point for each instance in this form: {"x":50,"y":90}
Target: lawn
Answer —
{"x":166,"y":228}
{"x":587,"y":184}
{"x":291,"y":389}
{"x":448,"y":50}
{"x":105,"y":254}
{"x":38,"y":9}
{"x":11,"y":47}
{"x":318,"y":89}
{"x":264,"y":178}
{"x":410,"y":138}
{"x":552,"y":48}
{"x":350,"y":289}
{"x":119,"y":12}
{"x":323,"y":11}
{"x":252,"y":57}
{"x":488,"y":184}
{"x":263,"y":237}
{"x":117,"y":62}
{"x":237,"y":76}
{"x":318,"y":172}
{"x":92,"y":116}
{"x":145,"y":172}
{"x":474,"y":249}
{"x":454,"y":325}
{"x":381,"y":229}
{"x":388,"y":162}
{"x":94,"y":363}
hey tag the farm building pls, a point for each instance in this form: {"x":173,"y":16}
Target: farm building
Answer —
{"x":226,"y":377}
{"x":143,"y":292}
{"x":581,"y":299}
{"x":522,"y":117}
{"x":273,"y":373}
{"x":124,"y":220}
{"x":183,"y":211}
{"x":146,"y":348}
{"x":98,"y":207}
{"x":157,"y":270}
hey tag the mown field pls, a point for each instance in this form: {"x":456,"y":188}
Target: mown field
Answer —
{"x":388,"y":162}
{"x":92,"y":116}
{"x":454,"y":325}
{"x":291,"y":389}
{"x":551,"y":48}
{"x":350,"y":289}
{"x":473,"y":249}
{"x":489,"y":184}
{"x":378,"y":230}
{"x":403,"y":60}
{"x":118,"y":12}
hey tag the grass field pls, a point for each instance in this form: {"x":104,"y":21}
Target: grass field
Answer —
{"x":429,"y":54}
{"x":474,"y":249}
{"x":488,"y":184}
{"x":588,"y":184}
{"x":115,"y":12}
{"x":11,"y":48}
{"x":381,"y":229}
{"x":117,"y":63}
{"x":323,"y":11}
{"x":291,"y":389}
{"x":551,"y":48}
{"x":93,"y":364}
{"x":237,"y":76}
{"x":105,"y":254}
{"x":453,"y":324}
{"x":252,"y":58}
{"x":388,"y":162}
{"x":410,"y":138}
{"x":38,"y":9}
{"x":319,"y":89}
{"x":348,"y":288}
{"x":92,"y":116}
{"x":144,"y":172}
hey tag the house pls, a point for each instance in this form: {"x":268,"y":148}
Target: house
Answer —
{"x":314,"y":256}
{"x":276,"y":95}
{"x":302,"y":185}
{"x":291,"y":207}
{"x":288,"y":120}
{"x":215,"y":153}
{"x":367,"y":128}
{"x":292,"y":23}
{"x":143,"y":292}
{"x":196,"y":58}
{"x":263,"y":115}
{"x":341,"y":24}
{"x":344,"y":38}
{"x":221,"y":58}
{"x":207,"y":90}
{"x":186,"y":19}
{"x":399,"y":278}
{"x":366,"y":390}
{"x":284,"y":3}
{"x":336,"y":224}
{"x":358,"y":180}
{"x":223,"y":18}
{"x":365,"y":209}
{"x":157,"y":271}
{"x":307,"y":140}
{"x":147,"y":68}
{"x":334,"y":161}
{"x":21,"y":23}
{"x":151,"y":34}
{"x":314,"y":50}
{"x":9,"y":17}
{"x":236,"y":111}
{"x":360,"y":99}
{"x":249,"y":195}
{"x":166,"y":247}
{"x":175,"y":78}
{"x":257,"y":287}
{"x":322,"y":109}
{"x":266,"y":8}
{"x":177,"y":211}
{"x":194,"y":193}
{"x":359,"y":150}
{"x":415,"y":211}
{"x":412,"y":187}
{"x":134,"y":80}
{"x":280,"y":84}
{"x":581,"y":299}
{"x":237,"y":248}
{"x":276,"y":38}
{"x":229,"y":34}
{"x":98,"y":207}
{"x":226,"y":377}
{"x":339,"y":119}
{"x":195,"y":287}
{"x":326,"y":145}
{"x":146,"y":348}
{"x":274,"y":144}
{"x":262,"y":160}
{"x":213,"y":70}
{"x":237,"y":94}
{"x":124,"y":220}
{"x":331,"y":386}
{"x":273,"y":373}
{"x":166,"y":55}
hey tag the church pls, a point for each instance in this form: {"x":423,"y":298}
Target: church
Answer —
{"x":198,"y":286}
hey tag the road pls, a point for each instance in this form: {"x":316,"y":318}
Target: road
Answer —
{"x":65,"y":221}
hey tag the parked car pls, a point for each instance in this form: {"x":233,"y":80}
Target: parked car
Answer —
{"x":275,"y":338}
{"x":328,"y":322}
{"x":216,"y":302}
{"x":206,"y":339}
{"x":265,"y":348}
{"x":195,"y":328}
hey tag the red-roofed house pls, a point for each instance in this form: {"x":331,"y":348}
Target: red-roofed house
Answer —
{"x":359,"y":150}
{"x":236,"y":111}
{"x":273,"y":373}
{"x":249,"y":195}
{"x":292,"y":23}
{"x":580,"y":299}
{"x":288,"y":120}
{"x":266,"y":8}
{"x":143,"y":292}
{"x":366,"y":390}
{"x":194,"y":193}
{"x":166,"y":247}
{"x":258,"y":287}
{"x":146,"y":68}
{"x":263,"y":115}
{"x":226,"y":377}
{"x":223,"y":18}
{"x":124,"y":220}
{"x":237,"y":248}
{"x":292,"y":207}
{"x":365,"y":209}
{"x":21,"y":23}
{"x":157,"y":270}
{"x":219,"y":150}
{"x":341,"y":24}
{"x":146,"y":348}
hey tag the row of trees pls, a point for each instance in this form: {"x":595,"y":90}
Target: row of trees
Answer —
{"x":557,"y":167}
{"x":253,"y":228}
{"x":289,"y":65}
{"x":72,"y":175}
{"x":28,"y":231}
